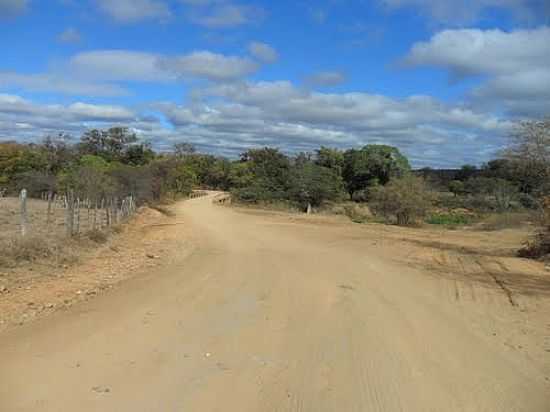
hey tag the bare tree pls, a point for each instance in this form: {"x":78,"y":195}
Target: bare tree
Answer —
{"x":529,"y":152}
{"x":183,"y":149}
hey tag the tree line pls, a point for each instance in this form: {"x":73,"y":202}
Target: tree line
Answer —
{"x":114,"y":163}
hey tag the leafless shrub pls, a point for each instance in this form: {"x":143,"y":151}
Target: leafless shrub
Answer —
{"x":98,"y":236}
{"x":405,"y":201}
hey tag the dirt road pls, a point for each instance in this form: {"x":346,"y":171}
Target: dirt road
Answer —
{"x":267,"y":314}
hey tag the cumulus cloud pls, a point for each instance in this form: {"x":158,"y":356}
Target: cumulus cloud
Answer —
{"x":70,"y":35}
{"x":229,"y":118}
{"x":58,"y":84}
{"x":25,"y":120}
{"x":263,"y":52}
{"x":516,"y":63}
{"x":466,"y":12}
{"x":210,"y":66}
{"x":278,"y":113}
{"x":131,"y":11}
{"x":119,"y":65}
{"x":12,"y":8}
{"x":325,"y":79}
{"x":227,"y":15}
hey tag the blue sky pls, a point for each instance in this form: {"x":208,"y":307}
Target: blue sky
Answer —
{"x":442,"y":80}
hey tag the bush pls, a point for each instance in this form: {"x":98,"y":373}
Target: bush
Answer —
{"x":406,"y":200}
{"x":539,"y":247}
{"x":501,"y":221}
{"x":98,"y":236}
{"x":28,"y":249}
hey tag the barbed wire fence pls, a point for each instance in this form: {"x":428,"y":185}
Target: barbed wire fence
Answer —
{"x":78,"y":215}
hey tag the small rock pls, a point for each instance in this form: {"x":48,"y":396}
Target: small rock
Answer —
{"x":152,"y":256}
{"x":4,"y":289}
{"x":207,"y":354}
{"x":91,"y":293}
{"x":101,"y":389}
{"x":79,"y":292}
{"x":547,"y":267}
{"x":50,"y":305}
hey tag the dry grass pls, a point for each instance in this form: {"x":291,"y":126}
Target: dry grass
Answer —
{"x":500,"y":221}
{"x":20,"y":250}
{"x":45,"y":240}
{"x":163,"y":209}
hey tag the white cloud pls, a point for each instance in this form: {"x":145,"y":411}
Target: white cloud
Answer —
{"x":325,"y":79}
{"x":131,"y":11}
{"x":99,"y":72}
{"x":210,"y":66}
{"x":475,"y":51}
{"x":517,"y":64}
{"x":278,"y":114}
{"x":227,"y":15}
{"x":70,"y":35}
{"x":24,"y":120}
{"x":466,"y":12}
{"x":119,"y":65}
{"x":263,"y":52}
{"x":58,"y":84}
{"x":11,"y":8}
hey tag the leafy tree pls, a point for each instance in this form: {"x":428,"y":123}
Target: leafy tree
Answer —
{"x":456,"y":187}
{"x":138,"y":154}
{"x":330,"y":158}
{"x":311,"y":185}
{"x":182,"y":179}
{"x":372,"y":165}
{"x":270,"y":170}
{"x":466,"y":172}
{"x":89,"y":178}
{"x":240,"y":175}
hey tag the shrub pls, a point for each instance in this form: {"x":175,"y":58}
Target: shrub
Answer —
{"x":97,"y":236}
{"x":28,"y":249}
{"x":405,"y":201}
{"x":539,"y":247}
{"x":499,"y":221}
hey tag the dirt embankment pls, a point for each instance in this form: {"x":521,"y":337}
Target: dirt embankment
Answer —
{"x":32,"y":290}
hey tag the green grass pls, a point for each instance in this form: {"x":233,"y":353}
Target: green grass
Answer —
{"x":449,"y":219}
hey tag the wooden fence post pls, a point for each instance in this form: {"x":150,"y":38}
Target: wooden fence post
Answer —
{"x":49,"y":215}
{"x":69,"y":213}
{"x":24,"y":217}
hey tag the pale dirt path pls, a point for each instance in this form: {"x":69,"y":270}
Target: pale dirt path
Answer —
{"x":267,"y":315}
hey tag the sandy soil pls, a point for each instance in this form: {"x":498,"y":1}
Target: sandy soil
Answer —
{"x":261,"y":311}
{"x":33,"y":290}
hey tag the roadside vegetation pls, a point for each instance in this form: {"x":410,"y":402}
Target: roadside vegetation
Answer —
{"x":370,"y":183}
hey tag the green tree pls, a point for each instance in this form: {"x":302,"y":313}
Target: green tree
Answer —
{"x":466,"y":172}
{"x":270,"y":170}
{"x":372,"y":165}
{"x":330,"y":158}
{"x":456,"y":187}
{"x":311,"y":185}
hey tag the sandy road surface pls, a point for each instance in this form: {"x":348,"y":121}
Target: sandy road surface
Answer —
{"x":270,"y":315}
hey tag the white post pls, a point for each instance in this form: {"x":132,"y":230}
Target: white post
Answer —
{"x":24,"y":217}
